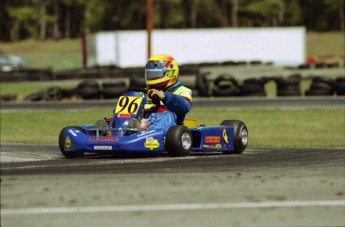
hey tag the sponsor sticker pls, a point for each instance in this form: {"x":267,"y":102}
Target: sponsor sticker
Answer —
{"x":102,"y":147}
{"x":68,"y":142}
{"x":124,"y":115}
{"x":151,"y":143}
{"x":212,"y":146}
{"x":212,"y":139}
{"x":225,"y":137}
{"x":145,"y":133}
{"x":103,"y":138}
{"x":72,"y":132}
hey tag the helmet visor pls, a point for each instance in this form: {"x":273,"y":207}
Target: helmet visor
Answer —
{"x":155,"y":70}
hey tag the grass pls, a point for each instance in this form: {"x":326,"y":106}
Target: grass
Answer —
{"x":23,"y":89}
{"x":268,"y":128}
{"x":325,"y":43}
{"x":58,"y":55}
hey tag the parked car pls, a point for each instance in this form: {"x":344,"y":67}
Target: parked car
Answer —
{"x":10,"y":62}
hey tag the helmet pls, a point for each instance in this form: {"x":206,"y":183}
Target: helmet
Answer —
{"x":161,"y":71}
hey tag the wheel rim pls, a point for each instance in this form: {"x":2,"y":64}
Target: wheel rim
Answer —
{"x":186,"y":140}
{"x":244,"y":136}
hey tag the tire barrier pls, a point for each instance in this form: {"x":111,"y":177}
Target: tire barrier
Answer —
{"x":225,"y":85}
{"x":202,"y":85}
{"x":289,"y":86}
{"x":253,"y":87}
{"x":8,"y":97}
{"x":339,"y":86}
{"x":112,"y":90}
{"x":50,"y":94}
{"x":321,"y":86}
{"x":89,"y":89}
{"x":136,"y":81}
{"x":68,"y":93}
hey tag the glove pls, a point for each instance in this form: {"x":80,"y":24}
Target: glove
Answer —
{"x":153,"y":92}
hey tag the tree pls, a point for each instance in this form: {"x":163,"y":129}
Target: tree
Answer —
{"x":46,"y":19}
{"x":336,"y":7}
{"x":233,"y":13}
{"x":267,"y":12}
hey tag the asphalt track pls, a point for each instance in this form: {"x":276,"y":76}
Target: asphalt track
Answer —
{"x":261,"y":187}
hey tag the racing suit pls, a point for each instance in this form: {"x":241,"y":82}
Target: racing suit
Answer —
{"x":176,"y":104}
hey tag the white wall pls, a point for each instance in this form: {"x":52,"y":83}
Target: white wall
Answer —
{"x":282,"y":46}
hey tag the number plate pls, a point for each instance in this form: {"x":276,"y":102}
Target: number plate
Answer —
{"x":128,"y":105}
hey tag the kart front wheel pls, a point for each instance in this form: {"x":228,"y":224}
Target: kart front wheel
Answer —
{"x":178,"y":141}
{"x":240,"y":136}
{"x":62,"y":144}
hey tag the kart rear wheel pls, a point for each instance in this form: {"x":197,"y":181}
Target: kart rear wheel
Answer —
{"x":240,"y":136}
{"x":178,"y":141}
{"x":62,"y":143}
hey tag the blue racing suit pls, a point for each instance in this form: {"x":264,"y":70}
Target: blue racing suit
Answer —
{"x":173,"y":109}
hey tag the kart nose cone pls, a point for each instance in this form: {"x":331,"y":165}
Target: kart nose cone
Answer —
{"x":186,"y":140}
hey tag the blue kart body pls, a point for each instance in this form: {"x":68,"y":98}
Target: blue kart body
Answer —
{"x":75,"y":140}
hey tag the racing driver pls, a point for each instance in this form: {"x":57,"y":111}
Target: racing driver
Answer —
{"x":168,"y":101}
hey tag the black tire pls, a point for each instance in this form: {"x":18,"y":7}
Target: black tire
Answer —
{"x":53,"y":94}
{"x":89,"y":93}
{"x":137,"y":82}
{"x":321,"y":86}
{"x":240,"y":136}
{"x":34,"y":97}
{"x":340,"y":80}
{"x":62,"y":142}
{"x":224,"y":91}
{"x":68,"y":93}
{"x":289,"y":91}
{"x":318,"y":93}
{"x":293,"y":80}
{"x":178,"y":141}
{"x":113,"y":90}
{"x":8,"y":97}
{"x":202,"y":85}
{"x":89,"y":89}
{"x":251,"y":88}
{"x":340,"y":88}
{"x":324,"y":80}
{"x":228,"y":79}
{"x":261,"y":81}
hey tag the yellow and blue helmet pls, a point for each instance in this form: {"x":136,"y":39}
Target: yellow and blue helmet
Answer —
{"x":161,"y":72}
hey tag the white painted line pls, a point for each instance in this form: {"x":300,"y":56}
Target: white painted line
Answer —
{"x":169,"y":207}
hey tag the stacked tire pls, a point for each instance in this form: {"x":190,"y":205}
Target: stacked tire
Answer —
{"x":339,"y":86}
{"x":137,"y":82}
{"x":225,"y":85}
{"x":202,"y":85}
{"x":321,"y":86}
{"x":112,"y":90}
{"x":253,"y":87}
{"x":89,"y":89}
{"x":289,"y":86}
{"x":8,"y":97}
{"x":49,"y":94}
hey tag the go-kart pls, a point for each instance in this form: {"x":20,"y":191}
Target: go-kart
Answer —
{"x":230,"y":137}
